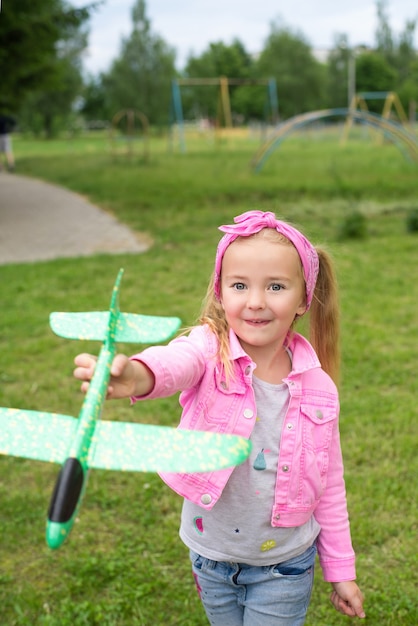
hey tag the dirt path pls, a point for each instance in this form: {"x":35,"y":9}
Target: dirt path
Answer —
{"x":40,"y":221}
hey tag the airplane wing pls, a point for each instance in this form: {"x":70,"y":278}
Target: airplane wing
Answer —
{"x":36,"y":435}
{"x":131,"y":327}
{"x":146,"y":448}
{"x":122,"y":446}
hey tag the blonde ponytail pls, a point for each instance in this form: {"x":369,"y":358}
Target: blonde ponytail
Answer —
{"x":324,"y":326}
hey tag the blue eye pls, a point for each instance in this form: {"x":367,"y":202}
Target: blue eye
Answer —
{"x":239,"y":286}
{"x":276,"y":287}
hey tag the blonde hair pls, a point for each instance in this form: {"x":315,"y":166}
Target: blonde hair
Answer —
{"x":323,"y":314}
{"x":324,"y":317}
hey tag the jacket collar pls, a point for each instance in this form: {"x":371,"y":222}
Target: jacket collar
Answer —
{"x":236,"y":350}
{"x":304,"y":356}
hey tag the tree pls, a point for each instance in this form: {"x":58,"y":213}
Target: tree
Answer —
{"x":391,"y":66}
{"x":301,"y":79}
{"x":407,"y":55}
{"x":373,"y":73}
{"x":385,"y":44}
{"x":338,"y":70}
{"x":220,"y":60}
{"x":231,"y":61}
{"x":140,"y":77}
{"x":51,"y":108}
{"x":95,"y":104}
{"x":31,"y":32}
{"x":408,"y":90}
{"x":398,"y":52}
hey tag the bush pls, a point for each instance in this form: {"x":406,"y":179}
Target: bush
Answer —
{"x":354,"y":226}
{"x":412,"y":221}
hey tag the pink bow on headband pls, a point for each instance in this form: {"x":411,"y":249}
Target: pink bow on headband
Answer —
{"x":252,"y":222}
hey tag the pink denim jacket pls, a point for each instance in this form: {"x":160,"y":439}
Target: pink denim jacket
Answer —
{"x":310,"y":468}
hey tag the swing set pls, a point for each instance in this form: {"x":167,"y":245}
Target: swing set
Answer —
{"x":359,"y":103}
{"x":224,"y":115}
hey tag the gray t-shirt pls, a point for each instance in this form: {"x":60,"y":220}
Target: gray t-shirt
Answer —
{"x":238,"y":529}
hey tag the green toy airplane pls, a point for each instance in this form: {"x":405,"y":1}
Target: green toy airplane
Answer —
{"x":87,"y":442}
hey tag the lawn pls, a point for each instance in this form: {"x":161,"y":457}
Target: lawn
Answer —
{"x":124,"y":564}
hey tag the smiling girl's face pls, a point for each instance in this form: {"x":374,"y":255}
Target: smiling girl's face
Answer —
{"x":262,"y":291}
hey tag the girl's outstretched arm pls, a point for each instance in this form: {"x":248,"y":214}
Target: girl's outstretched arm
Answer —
{"x":128,"y":378}
{"x":348,"y":599}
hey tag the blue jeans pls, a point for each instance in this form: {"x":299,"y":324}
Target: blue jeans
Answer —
{"x":235,"y":594}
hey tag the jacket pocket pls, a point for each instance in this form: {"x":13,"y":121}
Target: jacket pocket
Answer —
{"x":317,"y":424}
{"x":317,"y":427}
{"x":221,"y":411}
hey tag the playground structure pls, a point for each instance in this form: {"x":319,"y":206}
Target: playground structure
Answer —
{"x":391,"y":102}
{"x":129,"y":116}
{"x":224,"y":116}
{"x":394,"y":131}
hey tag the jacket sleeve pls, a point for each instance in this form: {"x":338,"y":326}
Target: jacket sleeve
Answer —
{"x":177,"y":366}
{"x":335,"y":551}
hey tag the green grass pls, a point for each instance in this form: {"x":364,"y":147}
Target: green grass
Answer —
{"x":124,"y":564}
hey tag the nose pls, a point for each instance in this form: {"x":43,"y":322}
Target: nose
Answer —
{"x":255,"y":299}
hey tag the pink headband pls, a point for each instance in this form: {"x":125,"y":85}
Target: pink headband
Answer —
{"x":252,"y":222}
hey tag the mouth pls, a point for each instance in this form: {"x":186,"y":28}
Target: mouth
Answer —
{"x":257,"y":322}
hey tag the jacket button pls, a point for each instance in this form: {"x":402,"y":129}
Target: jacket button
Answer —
{"x":319,"y":414}
{"x":277,"y":516}
{"x":289,"y":426}
{"x":248,"y":370}
{"x":224,"y":385}
{"x":285,"y":468}
{"x":248,"y":414}
{"x":206,"y":498}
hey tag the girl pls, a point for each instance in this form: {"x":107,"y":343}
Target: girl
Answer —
{"x":254,"y":531}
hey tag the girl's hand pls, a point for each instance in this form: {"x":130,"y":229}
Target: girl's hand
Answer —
{"x":127,"y":378}
{"x":348,"y":599}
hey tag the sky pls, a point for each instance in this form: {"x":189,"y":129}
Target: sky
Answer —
{"x":189,"y":26}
